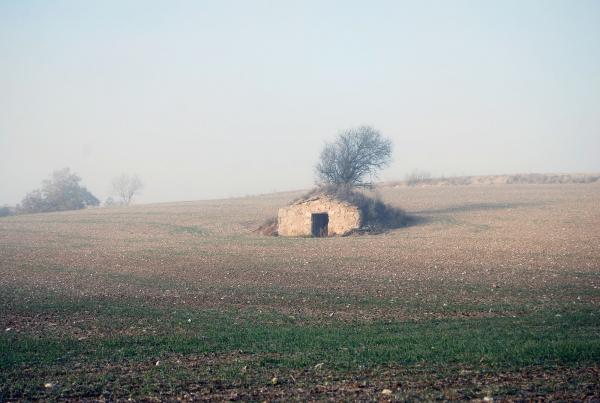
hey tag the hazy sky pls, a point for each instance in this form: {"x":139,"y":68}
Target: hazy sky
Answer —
{"x":221,"y":98}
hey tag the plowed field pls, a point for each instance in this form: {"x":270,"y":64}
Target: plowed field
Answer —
{"x":492,"y":292}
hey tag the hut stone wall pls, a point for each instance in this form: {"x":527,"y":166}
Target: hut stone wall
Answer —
{"x":296,"y":219}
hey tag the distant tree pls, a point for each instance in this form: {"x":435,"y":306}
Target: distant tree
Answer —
{"x":60,"y":192}
{"x":110,"y":202}
{"x":355,"y":155}
{"x":6,"y":211}
{"x":417,"y":176}
{"x":126,"y":186}
{"x":33,"y":202}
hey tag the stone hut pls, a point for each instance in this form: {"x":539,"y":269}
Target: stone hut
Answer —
{"x":318,"y":216}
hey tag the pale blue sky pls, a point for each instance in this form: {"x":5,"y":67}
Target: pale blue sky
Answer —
{"x":225,"y":98}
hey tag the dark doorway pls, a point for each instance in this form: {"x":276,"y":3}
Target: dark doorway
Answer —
{"x":319,"y":224}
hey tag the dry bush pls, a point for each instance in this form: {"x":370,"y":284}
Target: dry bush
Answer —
{"x":269,"y":227}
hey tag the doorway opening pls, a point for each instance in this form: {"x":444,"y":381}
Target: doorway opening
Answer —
{"x":319,"y":224}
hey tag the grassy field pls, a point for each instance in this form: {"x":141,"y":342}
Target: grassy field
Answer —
{"x":493,"y":292}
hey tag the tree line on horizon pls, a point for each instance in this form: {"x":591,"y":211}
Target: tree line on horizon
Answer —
{"x":62,"y":191}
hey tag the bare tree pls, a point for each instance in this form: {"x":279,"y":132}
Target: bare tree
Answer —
{"x":126,"y":186}
{"x":355,"y":155}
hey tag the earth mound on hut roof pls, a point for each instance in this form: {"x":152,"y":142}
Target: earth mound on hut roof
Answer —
{"x":376,"y":216}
